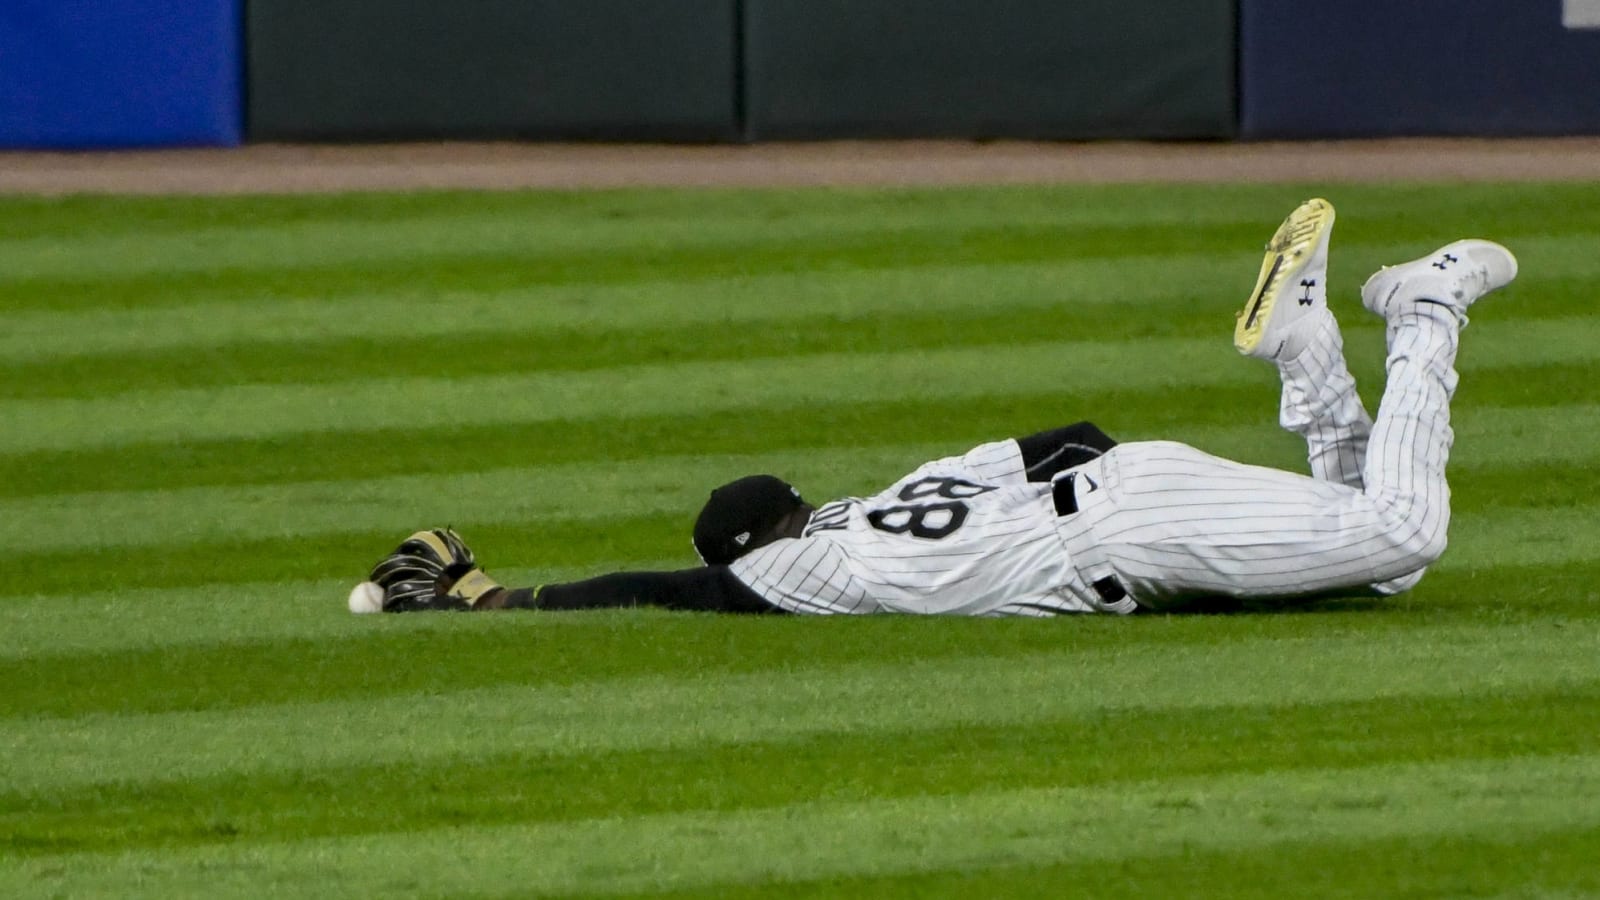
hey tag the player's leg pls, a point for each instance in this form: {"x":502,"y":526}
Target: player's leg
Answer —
{"x":1319,"y":402}
{"x":1287,"y":321}
{"x":1424,"y":305}
{"x":1176,"y":522}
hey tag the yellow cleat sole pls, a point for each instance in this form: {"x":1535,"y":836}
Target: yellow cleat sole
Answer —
{"x":1287,"y":253}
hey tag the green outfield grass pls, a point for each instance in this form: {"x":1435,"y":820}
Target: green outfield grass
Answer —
{"x":215,"y":414}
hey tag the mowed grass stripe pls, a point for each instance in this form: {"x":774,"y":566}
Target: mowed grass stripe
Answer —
{"x":338,"y":656}
{"x":543,"y":237}
{"x":467,"y":446}
{"x":941,"y":833}
{"x":666,"y":256}
{"x":39,"y":264}
{"x":141,"y":629}
{"x":1492,"y":443}
{"x":1511,"y":863}
{"x":114,"y":617}
{"x":53,"y":754}
{"x":57,"y":334}
{"x":560,"y":545}
{"x":508,"y":785}
{"x":1046,"y":294}
{"x":614,"y":393}
{"x":1387,"y":208}
{"x":466,"y":356}
{"x":75,"y":217}
{"x":487,"y":251}
{"x":471,"y":353}
{"x":230,"y":233}
{"x":266,"y":410}
{"x":1234,"y":420}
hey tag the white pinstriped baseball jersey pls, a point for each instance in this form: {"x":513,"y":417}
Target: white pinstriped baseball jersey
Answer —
{"x":970,"y":536}
{"x":964,"y":535}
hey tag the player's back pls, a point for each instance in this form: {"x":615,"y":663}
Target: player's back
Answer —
{"x":965,"y":535}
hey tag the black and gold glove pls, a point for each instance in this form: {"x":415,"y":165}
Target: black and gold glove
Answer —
{"x":431,"y":570}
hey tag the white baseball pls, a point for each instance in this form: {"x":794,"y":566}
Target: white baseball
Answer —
{"x":367,"y":597}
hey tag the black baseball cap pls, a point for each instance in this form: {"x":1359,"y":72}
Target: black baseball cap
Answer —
{"x":739,"y":514}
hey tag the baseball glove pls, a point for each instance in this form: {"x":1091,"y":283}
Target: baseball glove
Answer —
{"x":431,"y":570}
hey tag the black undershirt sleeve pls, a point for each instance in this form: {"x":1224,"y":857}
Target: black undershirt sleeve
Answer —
{"x":1049,"y":452}
{"x":706,"y":589}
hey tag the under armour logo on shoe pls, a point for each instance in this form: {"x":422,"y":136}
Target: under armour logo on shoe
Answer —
{"x":1308,"y":284}
{"x":1445,"y":262}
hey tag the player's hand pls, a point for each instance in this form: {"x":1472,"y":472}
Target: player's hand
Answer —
{"x":431,"y":570}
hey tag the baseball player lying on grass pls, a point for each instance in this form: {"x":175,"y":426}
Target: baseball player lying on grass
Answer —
{"x":1070,"y":521}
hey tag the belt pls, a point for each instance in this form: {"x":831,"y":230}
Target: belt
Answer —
{"x":1065,"y":493}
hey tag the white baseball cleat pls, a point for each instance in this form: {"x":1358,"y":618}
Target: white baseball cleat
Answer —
{"x":1291,"y":294}
{"x":1453,"y":276}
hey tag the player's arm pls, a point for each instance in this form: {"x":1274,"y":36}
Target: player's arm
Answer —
{"x":1049,"y":452}
{"x":705,"y":589}
{"x":435,"y":570}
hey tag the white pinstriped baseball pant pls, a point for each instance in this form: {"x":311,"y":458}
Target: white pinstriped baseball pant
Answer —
{"x":1176,"y":522}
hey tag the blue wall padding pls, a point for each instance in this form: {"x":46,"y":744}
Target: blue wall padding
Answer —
{"x":120,"y":73}
{"x":1420,"y":67}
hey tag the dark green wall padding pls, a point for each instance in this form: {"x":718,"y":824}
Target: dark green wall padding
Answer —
{"x":725,"y":70}
{"x":999,"y":68}
{"x":555,"y":69}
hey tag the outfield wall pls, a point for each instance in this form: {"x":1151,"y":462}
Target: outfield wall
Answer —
{"x":107,"y":73}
